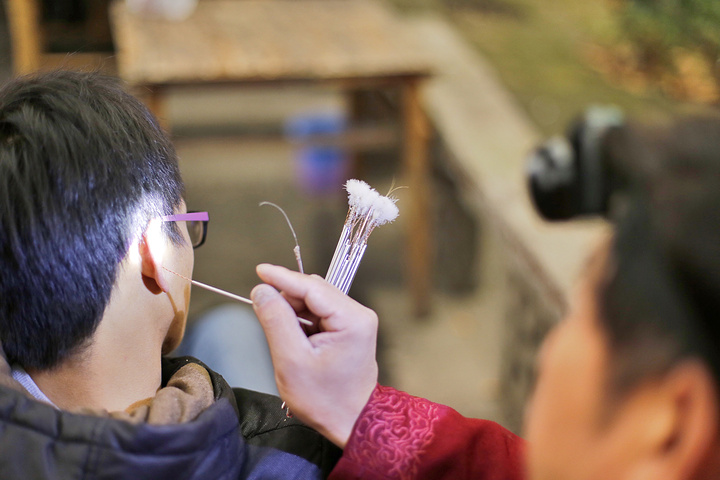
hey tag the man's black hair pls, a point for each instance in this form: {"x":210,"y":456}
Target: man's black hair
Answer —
{"x":83,"y":167}
{"x":659,"y":299}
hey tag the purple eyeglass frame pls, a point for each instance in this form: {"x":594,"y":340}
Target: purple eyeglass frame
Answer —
{"x":190,"y":217}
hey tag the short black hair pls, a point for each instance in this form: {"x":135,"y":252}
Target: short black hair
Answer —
{"x":659,"y":296}
{"x":84,"y":166}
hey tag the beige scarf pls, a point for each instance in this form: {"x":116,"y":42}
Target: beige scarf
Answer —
{"x":188,"y":392}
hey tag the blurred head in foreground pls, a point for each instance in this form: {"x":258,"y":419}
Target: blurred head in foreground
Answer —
{"x":628,"y":382}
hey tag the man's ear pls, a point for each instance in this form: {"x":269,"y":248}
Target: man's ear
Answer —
{"x":152,"y":248}
{"x":682,"y":423}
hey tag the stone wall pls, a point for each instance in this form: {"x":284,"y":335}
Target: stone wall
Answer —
{"x":487,"y":137}
{"x":533,"y":306}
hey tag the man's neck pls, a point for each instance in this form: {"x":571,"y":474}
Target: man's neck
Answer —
{"x":100,"y":383}
{"x":121,"y":364}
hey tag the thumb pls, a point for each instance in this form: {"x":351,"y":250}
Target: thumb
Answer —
{"x":279,"y":321}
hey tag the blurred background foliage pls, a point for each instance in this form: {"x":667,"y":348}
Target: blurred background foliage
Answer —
{"x":676,"y":43}
{"x":650,"y":57}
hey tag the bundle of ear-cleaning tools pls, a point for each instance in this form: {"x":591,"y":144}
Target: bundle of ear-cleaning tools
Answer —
{"x":367,"y":209}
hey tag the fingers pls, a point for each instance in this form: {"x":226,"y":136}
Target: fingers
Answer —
{"x":282,"y":278}
{"x":319,"y":296}
{"x":326,"y":378}
{"x":284,"y":334}
{"x":336,"y":310}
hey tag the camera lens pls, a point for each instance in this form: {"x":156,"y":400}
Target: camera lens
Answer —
{"x":569,"y":176}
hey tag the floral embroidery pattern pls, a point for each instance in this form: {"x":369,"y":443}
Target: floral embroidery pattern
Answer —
{"x":392,"y":431}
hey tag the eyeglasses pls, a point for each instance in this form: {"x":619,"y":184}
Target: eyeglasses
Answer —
{"x":197,"y":223}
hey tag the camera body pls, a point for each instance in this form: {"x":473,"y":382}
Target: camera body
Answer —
{"x":570,"y":176}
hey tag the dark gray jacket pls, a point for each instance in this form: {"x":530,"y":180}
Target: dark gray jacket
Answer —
{"x":243,"y":434}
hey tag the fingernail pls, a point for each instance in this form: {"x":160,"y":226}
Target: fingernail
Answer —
{"x":261,"y":294}
{"x":264,"y":268}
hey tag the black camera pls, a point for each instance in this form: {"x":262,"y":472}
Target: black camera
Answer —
{"x":570,"y":176}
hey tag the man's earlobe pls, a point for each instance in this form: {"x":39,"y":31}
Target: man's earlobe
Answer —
{"x":691,"y":393}
{"x":152,"y":249}
{"x":701,"y":405}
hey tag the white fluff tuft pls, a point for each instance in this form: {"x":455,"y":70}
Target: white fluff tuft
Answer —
{"x":355,"y":189}
{"x":366,"y":200}
{"x":361,"y":196}
{"x":385,"y":210}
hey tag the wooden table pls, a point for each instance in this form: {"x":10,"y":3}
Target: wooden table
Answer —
{"x":349,"y":44}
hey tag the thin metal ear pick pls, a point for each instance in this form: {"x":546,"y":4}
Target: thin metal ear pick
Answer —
{"x":296,"y":250}
{"x":367,"y":209}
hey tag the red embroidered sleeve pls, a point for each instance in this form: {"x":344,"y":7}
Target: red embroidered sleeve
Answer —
{"x":401,"y":437}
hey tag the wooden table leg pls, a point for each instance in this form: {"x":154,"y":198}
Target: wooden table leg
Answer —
{"x":24,"y":22}
{"x":153,"y":98}
{"x":417,"y":172}
{"x":354,"y":100}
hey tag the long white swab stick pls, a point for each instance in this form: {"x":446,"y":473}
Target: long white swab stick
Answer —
{"x":222,"y":292}
{"x":227,"y":294}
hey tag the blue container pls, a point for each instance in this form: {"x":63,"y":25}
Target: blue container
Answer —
{"x":320,"y":167}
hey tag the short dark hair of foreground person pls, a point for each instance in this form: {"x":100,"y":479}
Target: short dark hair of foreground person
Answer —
{"x":659,"y":297}
{"x":83,"y":168}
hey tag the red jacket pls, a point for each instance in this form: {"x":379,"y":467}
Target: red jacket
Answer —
{"x":398,"y":436}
